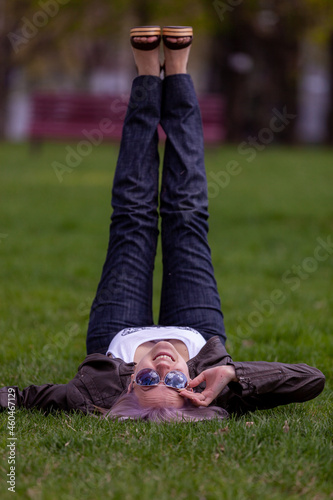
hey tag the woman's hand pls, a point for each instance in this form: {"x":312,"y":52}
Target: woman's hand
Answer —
{"x":216,"y":379}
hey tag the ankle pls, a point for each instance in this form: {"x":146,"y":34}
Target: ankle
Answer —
{"x":176,"y":62}
{"x":147,"y":63}
{"x":174,"y":69}
{"x":144,"y":70}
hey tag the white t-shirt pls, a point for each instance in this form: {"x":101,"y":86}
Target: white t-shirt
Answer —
{"x":125,"y":343}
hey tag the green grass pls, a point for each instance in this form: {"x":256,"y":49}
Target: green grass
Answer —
{"x":265,"y":221}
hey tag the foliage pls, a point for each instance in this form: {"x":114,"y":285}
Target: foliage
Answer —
{"x":107,"y":17}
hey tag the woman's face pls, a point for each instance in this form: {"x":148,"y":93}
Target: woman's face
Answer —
{"x":163,"y":357}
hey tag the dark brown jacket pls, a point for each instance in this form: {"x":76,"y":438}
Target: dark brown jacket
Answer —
{"x":101,"y":380}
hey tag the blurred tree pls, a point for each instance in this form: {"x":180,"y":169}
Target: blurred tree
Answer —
{"x":256,"y":58}
{"x":35,"y":34}
{"x":330,"y":113}
{"x":254,"y":44}
{"x":27,"y":29}
{"x":255,"y":47}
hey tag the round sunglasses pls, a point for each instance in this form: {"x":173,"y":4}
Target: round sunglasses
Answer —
{"x":149,"y":377}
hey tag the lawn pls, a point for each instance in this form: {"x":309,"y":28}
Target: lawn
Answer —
{"x":271,"y":228}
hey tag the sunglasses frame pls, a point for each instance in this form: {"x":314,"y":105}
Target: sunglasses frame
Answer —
{"x":161,"y":381}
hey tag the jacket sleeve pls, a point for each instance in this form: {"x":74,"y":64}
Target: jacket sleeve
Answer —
{"x":263,"y":385}
{"x":99,"y":382}
{"x":45,"y":397}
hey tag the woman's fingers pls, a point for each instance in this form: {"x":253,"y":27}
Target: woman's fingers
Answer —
{"x":197,"y":398}
{"x":197,"y":380}
{"x":215,"y":379}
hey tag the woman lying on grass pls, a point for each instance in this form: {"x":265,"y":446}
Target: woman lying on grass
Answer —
{"x":135,"y":369}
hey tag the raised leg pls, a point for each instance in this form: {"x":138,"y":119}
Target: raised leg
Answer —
{"x":189,"y":291}
{"x":124,"y":294}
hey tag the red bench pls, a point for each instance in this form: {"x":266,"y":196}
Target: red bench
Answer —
{"x":77,"y":116}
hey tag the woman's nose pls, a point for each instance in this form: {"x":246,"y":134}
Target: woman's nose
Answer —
{"x":163,"y":367}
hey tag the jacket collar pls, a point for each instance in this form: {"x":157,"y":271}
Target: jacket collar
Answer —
{"x":212,"y":353}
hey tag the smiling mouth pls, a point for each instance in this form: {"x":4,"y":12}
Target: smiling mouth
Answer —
{"x":164,"y":355}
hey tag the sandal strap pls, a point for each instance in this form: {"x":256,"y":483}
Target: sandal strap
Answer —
{"x":178,"y":31}
{"x":145,"y":31}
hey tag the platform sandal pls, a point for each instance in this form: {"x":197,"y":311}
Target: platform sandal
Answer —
{"x":145,"y":31}
{"x":177,"y":32}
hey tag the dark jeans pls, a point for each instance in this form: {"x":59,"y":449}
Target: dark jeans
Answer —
{"x":189,"y":292}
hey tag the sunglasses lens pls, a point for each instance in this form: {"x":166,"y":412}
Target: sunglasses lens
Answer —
{"x":176,"y":379}
{"x":147,"y":376}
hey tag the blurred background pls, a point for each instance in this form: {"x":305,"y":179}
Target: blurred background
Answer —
{"x":255,"y":56}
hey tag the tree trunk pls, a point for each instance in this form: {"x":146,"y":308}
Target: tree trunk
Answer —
{"x":5,"y":66}
{"x":257,"y":73}
{"x":330,"y":113}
